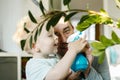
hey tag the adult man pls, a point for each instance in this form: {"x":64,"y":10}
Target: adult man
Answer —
{"x":95,"y":71}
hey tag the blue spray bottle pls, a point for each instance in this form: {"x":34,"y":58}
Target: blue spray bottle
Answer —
{"x":80,"y":63}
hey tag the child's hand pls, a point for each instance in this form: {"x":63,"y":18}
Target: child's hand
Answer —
{"x":78,"y":45}
{"x":74,"y":76}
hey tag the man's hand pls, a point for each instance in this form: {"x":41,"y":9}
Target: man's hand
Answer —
{"x":90,"y":59}
{"x":89,"y":56}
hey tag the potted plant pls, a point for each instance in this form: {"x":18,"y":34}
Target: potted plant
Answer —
{"x":92,"y":17}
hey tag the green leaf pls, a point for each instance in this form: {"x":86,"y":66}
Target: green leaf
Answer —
{"x":101,"y":58}
{"x":96,"y":52}
{"x":22,"y":43}
{"x":105,"y":20}
{"x":35,"y":37}
{"x":86,"y":21}
{"x":98,"y":45}
{"x":105,"y":41}
{"x":101,"y":18}
{"x":30,"y":42}
{"x":54,"y":20}
{"x":39,"y":31}
{"x":41,"y":7}
{"x":103,"y":11}
{"x":115,"y":38}
{"x":82,"y":27}
{"x":84,"y":17}
{"x":93,"y":19}
{"x":70,"y":15}
{"x":32,"y":17}
{"x":26,"y":28}
{"x":49,"y":24}
{"x":118,"y":24}
{"x":66,"y":2}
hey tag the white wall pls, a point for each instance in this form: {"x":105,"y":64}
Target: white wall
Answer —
{"x":114,"y":12}
{"x":11,"y":11}
{"x":85,"y":4}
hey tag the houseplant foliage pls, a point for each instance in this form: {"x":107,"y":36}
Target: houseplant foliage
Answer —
{"x":92,"y":17}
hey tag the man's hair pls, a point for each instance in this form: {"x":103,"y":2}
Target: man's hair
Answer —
{"x":62,"y":21}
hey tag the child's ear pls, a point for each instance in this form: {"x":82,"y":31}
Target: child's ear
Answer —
{"x":33,"y":45}
{"x":36,"y":48}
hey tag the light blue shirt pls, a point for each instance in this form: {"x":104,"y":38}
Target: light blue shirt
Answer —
{"x":37,"y":69}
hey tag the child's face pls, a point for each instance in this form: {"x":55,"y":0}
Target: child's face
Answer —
{"x":47,"y":41}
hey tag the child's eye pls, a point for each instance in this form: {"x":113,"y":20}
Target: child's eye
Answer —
{"x":50,"y":35}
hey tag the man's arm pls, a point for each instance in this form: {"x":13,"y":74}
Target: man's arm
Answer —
{"x":96,"y":70}
{"x":93,"y":75}
{"x":102,"y":69}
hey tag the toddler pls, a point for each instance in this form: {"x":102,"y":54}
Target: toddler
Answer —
{"x":45,"y":64}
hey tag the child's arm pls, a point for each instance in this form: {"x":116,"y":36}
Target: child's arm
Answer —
{"x":62,"y":68}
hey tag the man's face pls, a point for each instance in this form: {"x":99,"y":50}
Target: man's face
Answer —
{"x":63,"y":30}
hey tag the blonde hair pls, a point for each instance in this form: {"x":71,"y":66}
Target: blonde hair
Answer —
{"x":21,"y":34}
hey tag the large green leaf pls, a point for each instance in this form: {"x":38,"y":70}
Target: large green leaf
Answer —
{"x":54,"y":20}
{"x":66,"y":2}
{"x":93,"y":18}
{"x":26,"y":28}
{"x":96,"y":52}
{"x":104,"y":17}
{"x":41,"y":7}
{"x":115,"y":38}
{"x":22,"y":43}
{"x":105,"y":41}
{"x":86,"y":21}
{"x":32,"y":17}
{"x":101,"y":58}
{"x":105,"y":20}
{"x":82,"y":27}
{"x":70,"y":15}
{"x":98,"y":45}
{"x":83,"y":18}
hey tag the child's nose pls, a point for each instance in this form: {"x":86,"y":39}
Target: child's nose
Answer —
{"x":56,"y":39}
